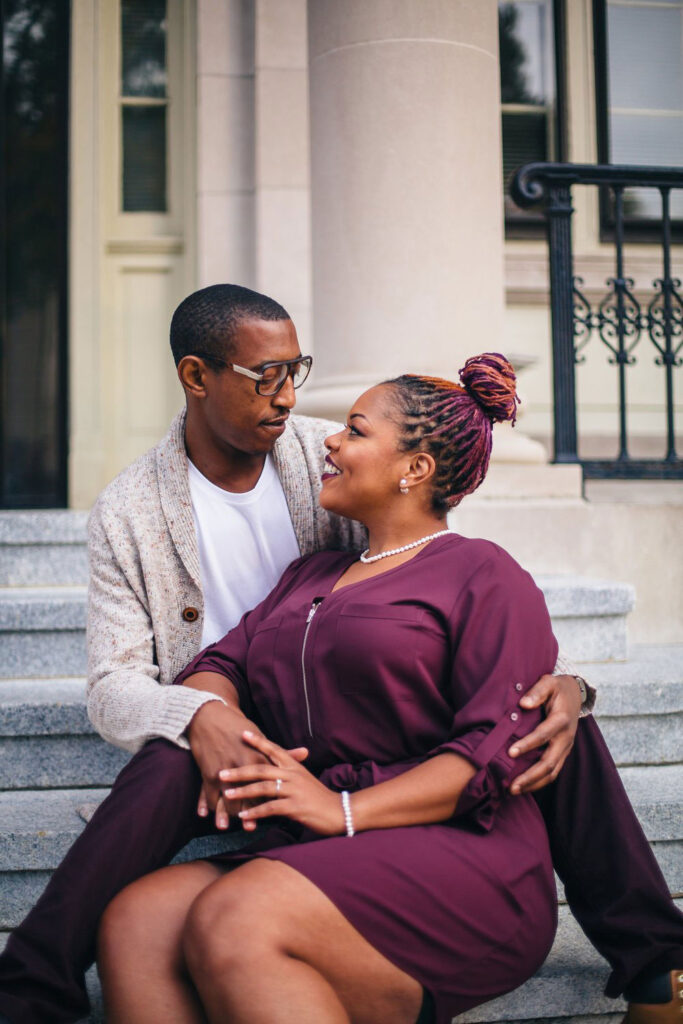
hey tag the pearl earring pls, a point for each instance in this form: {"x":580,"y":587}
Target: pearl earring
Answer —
{"x":402,"y":486}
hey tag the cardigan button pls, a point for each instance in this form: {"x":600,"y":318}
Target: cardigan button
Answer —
{"x":518,"y":687}
{"x":514,"y":716}
{"x":190,"y":614}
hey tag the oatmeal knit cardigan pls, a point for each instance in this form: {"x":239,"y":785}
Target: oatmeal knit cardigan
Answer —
{"x":145,"y":602}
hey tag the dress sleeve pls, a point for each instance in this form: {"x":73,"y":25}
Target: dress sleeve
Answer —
{"x":502,"y":642}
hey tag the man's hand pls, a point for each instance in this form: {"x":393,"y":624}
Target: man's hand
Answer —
{"x":215,"y":735}
{"x":562,"y":699}
{"x":215,"y":738}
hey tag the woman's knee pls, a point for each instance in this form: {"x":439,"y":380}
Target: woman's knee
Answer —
{"x":224,"y":928}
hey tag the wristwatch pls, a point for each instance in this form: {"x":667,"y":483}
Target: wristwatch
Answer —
{"x":587,"y":697}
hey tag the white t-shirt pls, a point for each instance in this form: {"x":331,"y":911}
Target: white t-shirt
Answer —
{"x":246,"y":541}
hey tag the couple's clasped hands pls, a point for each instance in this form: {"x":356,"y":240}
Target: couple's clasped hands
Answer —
{"x":240,"y":767}
{"x":249,"y":788}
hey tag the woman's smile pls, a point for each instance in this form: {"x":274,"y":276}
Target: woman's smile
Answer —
{"x":331,"y":470}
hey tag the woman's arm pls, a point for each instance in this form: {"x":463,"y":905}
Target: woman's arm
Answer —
{"x":422,"y":795}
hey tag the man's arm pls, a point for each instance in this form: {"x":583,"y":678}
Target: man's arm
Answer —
{"x":126,"y":703}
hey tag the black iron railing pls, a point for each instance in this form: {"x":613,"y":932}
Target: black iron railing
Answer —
{"x":619,"y":320}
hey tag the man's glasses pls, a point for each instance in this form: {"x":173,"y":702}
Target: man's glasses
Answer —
{"x":272,"y":376}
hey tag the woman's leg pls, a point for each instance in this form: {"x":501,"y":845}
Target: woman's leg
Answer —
{"x":264,"y":945}
{"x":139,"y":955}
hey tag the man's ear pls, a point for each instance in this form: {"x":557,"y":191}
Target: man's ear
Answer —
{"x":192,"y":375}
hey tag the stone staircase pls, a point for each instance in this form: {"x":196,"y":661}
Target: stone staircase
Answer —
{"x":53,"y":768}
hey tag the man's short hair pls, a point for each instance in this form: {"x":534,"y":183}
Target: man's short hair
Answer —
{"x":204,"y":324}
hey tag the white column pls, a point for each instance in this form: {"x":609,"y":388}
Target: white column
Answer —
{"x":225,"y":142}
{"x":406,"y":190}
{"x":282,"y":238}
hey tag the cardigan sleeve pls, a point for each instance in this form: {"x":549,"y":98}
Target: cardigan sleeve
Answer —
{"x":126,"y":702}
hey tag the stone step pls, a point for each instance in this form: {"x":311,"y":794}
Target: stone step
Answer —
{"x":43,"y":547}
{"x":42,"y":631}
{"x":38,"y":827}
{"x":589,"y":616}
{"x":568,"y":989}
{"x":640,"y":704}
{"x":42,"y":628}
{"x":47,"y":741}
{"x":36,"y":830}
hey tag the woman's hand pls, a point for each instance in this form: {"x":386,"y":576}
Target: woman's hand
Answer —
{"x":562,"y":699}
{"x":284,"y":788}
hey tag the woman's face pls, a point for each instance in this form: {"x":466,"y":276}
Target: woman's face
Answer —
{"x":363,"y":466}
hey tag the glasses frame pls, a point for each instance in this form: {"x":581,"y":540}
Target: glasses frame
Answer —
{"x":258,"y":377}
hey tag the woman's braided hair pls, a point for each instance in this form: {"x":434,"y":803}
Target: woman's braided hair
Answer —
{"x":453,"y":422}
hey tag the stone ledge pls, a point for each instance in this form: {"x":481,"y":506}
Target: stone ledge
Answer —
{"x":28,"y":609}
{"x":31,"y":565}
{"x":39,"y":653}
{"x":49,"y":526}
{"x":43,"y":707}
{"x":39,"y":826}
{"x":52,"y":762}
{"x":649,"y":683}
{"x":577,"y":596}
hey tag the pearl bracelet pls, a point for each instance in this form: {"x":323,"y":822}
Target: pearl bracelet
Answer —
{"x":348,"y":817}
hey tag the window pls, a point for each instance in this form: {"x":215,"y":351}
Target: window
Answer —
{"x":144,"y":104}
{"x":532,"y":94}
{"x":639,"y":93}
{"x":34,"y":133}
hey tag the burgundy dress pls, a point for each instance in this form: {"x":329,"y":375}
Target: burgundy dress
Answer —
{"x":428,"y":657}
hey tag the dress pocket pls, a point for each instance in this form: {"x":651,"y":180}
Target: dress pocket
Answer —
{"x":379,"y":650}
{"x":261,"y":662}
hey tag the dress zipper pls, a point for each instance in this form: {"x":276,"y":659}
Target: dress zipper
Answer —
{"x":313,"y":609}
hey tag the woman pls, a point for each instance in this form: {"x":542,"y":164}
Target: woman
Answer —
{"x":398,"y":882}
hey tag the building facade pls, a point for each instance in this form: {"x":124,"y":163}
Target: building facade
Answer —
{"x":349,"y":158}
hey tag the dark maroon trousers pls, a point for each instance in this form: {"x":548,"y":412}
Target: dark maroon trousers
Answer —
{"x":613,"y":883}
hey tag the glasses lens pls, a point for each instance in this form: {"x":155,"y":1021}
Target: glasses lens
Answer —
{"x":275,"y":376}
{"x":300,"y":371}
{"x":272,"y":380}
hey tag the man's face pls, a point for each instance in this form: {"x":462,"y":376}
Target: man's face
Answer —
{"x":235,"y":414}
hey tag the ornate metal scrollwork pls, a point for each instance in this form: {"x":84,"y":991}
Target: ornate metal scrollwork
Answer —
{"x":618,"y":320}
{"x":664,"y":321}
{"x":584,"y":321}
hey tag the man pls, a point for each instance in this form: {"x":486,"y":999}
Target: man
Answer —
{"x":181,"y":543}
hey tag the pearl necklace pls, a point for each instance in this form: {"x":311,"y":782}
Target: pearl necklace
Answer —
{"x":406,"y":547}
